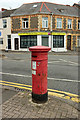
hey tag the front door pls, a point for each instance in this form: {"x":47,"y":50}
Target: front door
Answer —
{"x":16,"y":44}
{"x":45,"y":41}
{"x":9,"y":41}
{"x":69,"y":42}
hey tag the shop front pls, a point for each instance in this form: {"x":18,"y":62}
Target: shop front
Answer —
{"x":56,"y":41}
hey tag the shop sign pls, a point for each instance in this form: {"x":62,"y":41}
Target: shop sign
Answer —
{"x":42,"y":33}
{"x":0,"y":33}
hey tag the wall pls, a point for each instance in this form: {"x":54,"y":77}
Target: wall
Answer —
{"x":5,"y":31}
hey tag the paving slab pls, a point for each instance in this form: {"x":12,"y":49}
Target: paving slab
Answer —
{"x":22,"y":106}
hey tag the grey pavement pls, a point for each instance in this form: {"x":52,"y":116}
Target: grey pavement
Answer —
{"x":20,"y":105}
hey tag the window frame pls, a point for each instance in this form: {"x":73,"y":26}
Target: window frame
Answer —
{"x":69,"y":24}
{"x":28,"y":41}
{"x":4,"y":23}
{"x":78,"y":41}
{"x":25,"y":23}
{"x":44,"y":22}
{"x":59,"y":22}
{"x":78,"y":25}
{"x":1,"y":41}
{"x":58,"y":40}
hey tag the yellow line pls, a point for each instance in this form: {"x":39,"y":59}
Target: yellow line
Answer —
{"x":16,"y":83}
{"x":51,"y":91}
{"x":16,"y":86}
{"x":70,"y":94}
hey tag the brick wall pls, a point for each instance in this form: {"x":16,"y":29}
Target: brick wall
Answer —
{"x":16,"y":23}
{"x":34,"y":22}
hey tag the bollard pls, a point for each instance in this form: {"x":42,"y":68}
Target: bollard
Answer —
{"x":39,"y":61}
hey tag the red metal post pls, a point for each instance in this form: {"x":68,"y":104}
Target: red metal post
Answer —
{"x":39,"y":59}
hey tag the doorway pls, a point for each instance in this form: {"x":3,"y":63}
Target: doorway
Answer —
{"x":69,"y":42}
{"x":45,"y":41}
{"x":16,"y":43}
{"x":9,"y":41}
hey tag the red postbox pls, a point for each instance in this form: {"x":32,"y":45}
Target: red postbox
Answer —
{"x":39,"y":59}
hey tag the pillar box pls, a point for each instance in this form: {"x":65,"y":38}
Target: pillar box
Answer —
{"x":39,"y":60}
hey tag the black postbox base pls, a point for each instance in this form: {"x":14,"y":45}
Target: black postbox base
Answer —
{"x":39,"y":98}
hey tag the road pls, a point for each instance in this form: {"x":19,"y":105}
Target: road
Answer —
{"x":62,"y":71}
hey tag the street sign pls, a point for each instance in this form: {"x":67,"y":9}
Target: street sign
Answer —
{"x":0,"y":33}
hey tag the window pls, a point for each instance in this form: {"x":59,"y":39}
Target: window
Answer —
{"x":4,"y":23}
{"x":58,"y":41}
{"x":28,"y":41}
{"x":78,"y":25}
{"x":25,"y":23}
{"x":59,"y":23}
{"x":69,"y":23}
{"x":1,"y":40}
{"x":45,"y":22}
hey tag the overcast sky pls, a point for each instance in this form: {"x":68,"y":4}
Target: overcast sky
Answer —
{"x":11,"y":4}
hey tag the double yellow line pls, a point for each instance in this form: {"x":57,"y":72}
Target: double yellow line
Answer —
{"x":52,"y":92}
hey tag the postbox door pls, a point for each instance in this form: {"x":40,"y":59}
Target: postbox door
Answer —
{"x":39,"y":77}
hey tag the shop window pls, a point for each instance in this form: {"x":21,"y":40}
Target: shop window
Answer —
{"x":78,"y":25}
{"x":45,"y":22}
{"x":58,"y":41}
{"x":28,"y":41}
{"x":4,"y":23}
{"x":25,"y":23}
{"x":69,"y":24}
{"x":1,"y":40}
{"x":59,"y":22}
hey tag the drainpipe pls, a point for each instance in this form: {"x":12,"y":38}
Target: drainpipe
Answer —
{"x":51,"y":31}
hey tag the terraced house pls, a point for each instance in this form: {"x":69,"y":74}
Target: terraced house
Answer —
{"x":5,"y":29}
{"x":47,"y":24}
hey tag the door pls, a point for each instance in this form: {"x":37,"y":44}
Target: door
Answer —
{"x":9,"y":41}
{"x":16,"y":43}
{"x":45,"y":41}
{"x":69,"y":42}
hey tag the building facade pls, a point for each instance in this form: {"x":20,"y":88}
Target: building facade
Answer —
{"x":47,"y":24}
{"x":5,"y":29}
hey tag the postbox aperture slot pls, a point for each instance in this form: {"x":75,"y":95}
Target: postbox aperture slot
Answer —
{"x":34,"y":56}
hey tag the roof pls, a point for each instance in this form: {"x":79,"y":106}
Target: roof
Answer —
{"x":46,"y":8}
{"x":6,"y":13}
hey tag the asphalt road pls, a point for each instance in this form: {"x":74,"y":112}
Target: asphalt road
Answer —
{"x":62,"y":71}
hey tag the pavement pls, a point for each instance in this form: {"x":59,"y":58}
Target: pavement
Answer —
{"x":20,"y":105}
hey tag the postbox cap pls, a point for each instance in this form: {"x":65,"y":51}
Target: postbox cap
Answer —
{"x":40,"y":48}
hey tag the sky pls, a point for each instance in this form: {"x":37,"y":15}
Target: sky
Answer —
{"x":12,"y":4}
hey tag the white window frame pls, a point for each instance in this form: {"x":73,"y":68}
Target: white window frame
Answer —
{"x":78,"y":25}
{"x":59,"y":22}
{"x":44,"y":22}
{"x":69,"y":23}
{"x":25,"y":22}
{"x":1,"y":41}
{"x":4,"y":23}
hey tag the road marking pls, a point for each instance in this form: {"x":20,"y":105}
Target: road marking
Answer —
{"x":69,"y":61}
{"x":54,"y":61}
{"x":19,"y":75}
{"x":55,"y":79}
{"x":61,"y":94}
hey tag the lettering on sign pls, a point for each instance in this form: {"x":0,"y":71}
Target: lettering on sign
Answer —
{"x":34,"y":65}
{"x":33,"y":72}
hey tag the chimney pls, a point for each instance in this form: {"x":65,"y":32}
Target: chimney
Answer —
{"x":3,"y":9}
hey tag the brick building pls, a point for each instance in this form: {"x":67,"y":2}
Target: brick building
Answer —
{"x":48,"y":24}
